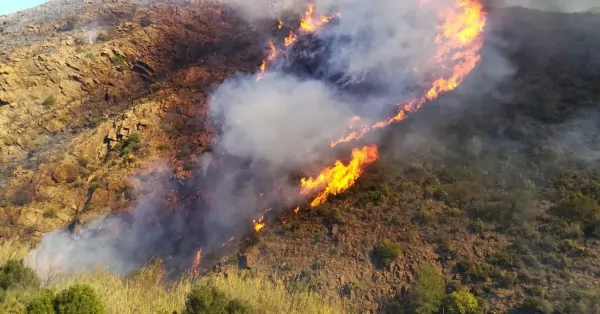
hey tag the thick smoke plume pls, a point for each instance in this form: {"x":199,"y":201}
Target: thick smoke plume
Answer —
{"x":367,"y":61}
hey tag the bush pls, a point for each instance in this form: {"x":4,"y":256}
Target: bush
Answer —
{"x":21,"y":197}
{"x":577,"y":207}
{"x":83,"y":161}
{"x":15,"y":275}
{"x":429,"y":290}
{"x":41,"y":304}
{"x":209,"y":300}
{"x":78,"y":299}
{"x":131,"y":144}
{"x":71,"y":22}
{"x":49,"y":102}
{"x":387,"y":251}
{"x":205,"y":300}
{"x":462,"y":302}
{"x":236,"y":306}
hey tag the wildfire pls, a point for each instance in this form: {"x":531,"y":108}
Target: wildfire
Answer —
{"x":307,"y":24}
{"x":259,"y":224}
{"x":459,"y":39}
{"x":196,"y":262}
{"x":340,"y":177}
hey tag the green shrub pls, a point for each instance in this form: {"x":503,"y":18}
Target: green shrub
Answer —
{"x":577,"y":207}
{"x":428,"y":291}
{"x":41,"y":303}
{"x":78,"y":299}
{"x":205,"y":300}
{"x":131,"y":144}
{"x":209,"y":300}
{"x":236,"y":306}
{"x":49,"y":102}
{"x":49,"y":213}
{"x":462,"y":302}
{"x":387,"y":251}
{"x":12,"y":304}
{"x":15,"y":275}
{"x":83,"y":161}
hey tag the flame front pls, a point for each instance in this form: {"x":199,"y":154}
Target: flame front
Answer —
{"x":340,"y":177}
{"x":459,"y":39}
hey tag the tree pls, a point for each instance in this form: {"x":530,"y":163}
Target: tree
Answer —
{"x":428,"y":291}
{"x":462,"y":302}
{"x":78,"y":299}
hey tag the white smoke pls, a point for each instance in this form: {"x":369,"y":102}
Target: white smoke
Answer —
{"x":282,"y":119}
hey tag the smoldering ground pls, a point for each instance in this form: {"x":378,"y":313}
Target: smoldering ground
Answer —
{"x":271,"y":129}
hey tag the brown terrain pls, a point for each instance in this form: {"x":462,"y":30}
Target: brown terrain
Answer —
{"x":94,"y":94}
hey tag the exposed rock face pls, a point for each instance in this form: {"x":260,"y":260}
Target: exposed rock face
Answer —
{"x":73,"y":90}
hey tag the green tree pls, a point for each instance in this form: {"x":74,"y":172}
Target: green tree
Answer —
{"x":78,"y":299}
{"x":428,"y":291}
{"x":462,"y":302}
{"x":15,"y":275}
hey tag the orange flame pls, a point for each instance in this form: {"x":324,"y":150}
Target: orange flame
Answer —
{"x":259,"y":224}
{"x":280,"y":25}
{"x":290,"y":39}
{"x":272,"y":51}
{"x":459,"y":37}
{"x":196,"y":262}
{"x":308,"y":24}
{"x":340,"y":177}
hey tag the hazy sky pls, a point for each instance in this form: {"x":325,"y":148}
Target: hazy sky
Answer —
{"x":11,"y":6}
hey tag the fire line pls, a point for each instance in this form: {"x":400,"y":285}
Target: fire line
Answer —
{"x":459,"y":39}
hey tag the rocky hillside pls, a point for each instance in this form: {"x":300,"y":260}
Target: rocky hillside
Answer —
{"x":497,"y":194}
{"x":77,"y":81}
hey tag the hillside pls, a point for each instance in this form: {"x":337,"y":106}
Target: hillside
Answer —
{"x":103,"y":107}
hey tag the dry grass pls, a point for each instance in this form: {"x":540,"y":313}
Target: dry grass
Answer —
{"x":146,"y":291}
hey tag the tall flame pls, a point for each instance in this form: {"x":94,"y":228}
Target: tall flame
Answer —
{"x":340,"y":177}
{"x":459,"y":39}
{"x":196,"y":262}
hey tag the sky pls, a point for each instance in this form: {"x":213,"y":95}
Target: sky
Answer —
{"x":12,"y":6}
